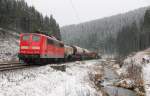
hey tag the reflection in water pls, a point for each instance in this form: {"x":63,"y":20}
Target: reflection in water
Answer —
{"x":115,"y":91}
{"x":109,"y":78}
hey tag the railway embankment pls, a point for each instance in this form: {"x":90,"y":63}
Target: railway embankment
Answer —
{"x":48,"y":81}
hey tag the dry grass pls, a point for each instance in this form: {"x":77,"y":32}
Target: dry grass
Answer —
{"x":135,"y":73}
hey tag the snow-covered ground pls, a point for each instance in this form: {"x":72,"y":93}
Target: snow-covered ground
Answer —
{"x":8,"y":45}
{"x":43,"y":80}
{"x":46,"y":81}
{"x":140,"y":59}
{"x":146,"y":76}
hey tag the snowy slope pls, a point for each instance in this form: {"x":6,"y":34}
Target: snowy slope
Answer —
{"x":8,"y":45}
{"x":45,"y":81}
{"x":137,"y":60}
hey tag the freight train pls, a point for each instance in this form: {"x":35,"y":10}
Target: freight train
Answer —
{"x":39,"y":49}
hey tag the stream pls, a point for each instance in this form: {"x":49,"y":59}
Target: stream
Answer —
{"x":109,"y":78}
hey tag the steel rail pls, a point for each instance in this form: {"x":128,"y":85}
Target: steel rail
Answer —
{"x":12,"y":66}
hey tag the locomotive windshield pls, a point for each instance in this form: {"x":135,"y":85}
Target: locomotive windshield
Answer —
{"x":26,"y":37}
{"x":35,"y":38}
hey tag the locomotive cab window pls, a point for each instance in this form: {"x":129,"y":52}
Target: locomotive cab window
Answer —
{"x":35,"y":38}
{"x":26,"y":37}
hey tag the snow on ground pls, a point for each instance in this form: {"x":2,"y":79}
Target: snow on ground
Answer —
{"x":141,"y":59}
{"x":8,"y":45}
{"x":46,"y":81}
{"x":136,"y":59}
{"x":146,"y":76}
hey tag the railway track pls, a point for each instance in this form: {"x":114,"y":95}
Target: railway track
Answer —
{"x":12,"y":66}
{"x":17,"y":65}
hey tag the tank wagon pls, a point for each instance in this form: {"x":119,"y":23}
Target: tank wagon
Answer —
{"x":39,"y":48}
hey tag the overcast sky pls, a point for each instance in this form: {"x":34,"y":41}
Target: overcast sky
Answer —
{"x":76,"y":11}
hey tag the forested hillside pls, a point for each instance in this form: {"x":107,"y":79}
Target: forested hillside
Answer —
{"x":120,"y":34}
{"x":17,"y":15}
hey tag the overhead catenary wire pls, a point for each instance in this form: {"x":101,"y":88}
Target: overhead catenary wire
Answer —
{"x":75,"y":11}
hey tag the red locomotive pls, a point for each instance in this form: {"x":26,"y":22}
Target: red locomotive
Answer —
{"x":39,"y":48}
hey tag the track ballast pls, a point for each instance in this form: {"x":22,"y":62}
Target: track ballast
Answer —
{"x":12,"y":66}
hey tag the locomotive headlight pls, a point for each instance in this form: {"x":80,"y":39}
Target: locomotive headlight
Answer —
{"x":24,"y":47}
{"x":35,"y":47}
